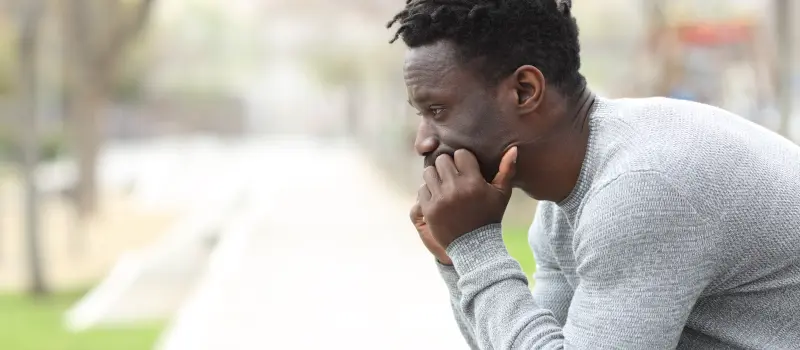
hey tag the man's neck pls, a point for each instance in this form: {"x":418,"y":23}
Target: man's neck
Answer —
{"x":556,"y":163}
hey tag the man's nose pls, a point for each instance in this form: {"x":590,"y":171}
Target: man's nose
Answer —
{"x":426,"y":142}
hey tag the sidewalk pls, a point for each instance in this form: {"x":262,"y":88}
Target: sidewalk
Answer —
{"x":334,"y":264}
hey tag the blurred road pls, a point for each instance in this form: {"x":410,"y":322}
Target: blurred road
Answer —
{"x":321,"y":257}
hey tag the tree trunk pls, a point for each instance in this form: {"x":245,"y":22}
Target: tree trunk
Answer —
{"x":97,"y":33}
{"x":85,"y":126}
{"x":662,"y":48}
{"x":28,"y":78}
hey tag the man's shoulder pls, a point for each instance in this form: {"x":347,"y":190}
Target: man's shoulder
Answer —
{"x":647,"y":106}
{"x":662,"y":119}
{"x":646,"y":189}
{"x":691,"y":144}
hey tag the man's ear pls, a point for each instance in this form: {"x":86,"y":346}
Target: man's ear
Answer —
{"x":529,"y":84}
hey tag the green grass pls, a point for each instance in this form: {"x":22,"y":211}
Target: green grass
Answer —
{"x":516,"y":240}
{"x":28,"y":324}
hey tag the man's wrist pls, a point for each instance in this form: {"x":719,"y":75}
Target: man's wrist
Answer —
{"x":477,"y":247}
{"x":444,"y":261}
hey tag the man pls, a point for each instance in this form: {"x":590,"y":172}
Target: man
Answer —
{"x":661,"y":224}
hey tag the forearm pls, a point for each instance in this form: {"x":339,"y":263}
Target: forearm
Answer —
{"x":450,"y":277}
{"x":635,"y":291}
{"x":551,"y":293}
{"x":644,"y":255}
{"x":496,"y":301}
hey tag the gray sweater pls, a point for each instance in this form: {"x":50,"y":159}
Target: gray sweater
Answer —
{"x":682,"y":232}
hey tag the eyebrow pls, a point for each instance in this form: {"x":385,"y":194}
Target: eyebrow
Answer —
{"x":421,"y":98}
{"x":411,"y":103}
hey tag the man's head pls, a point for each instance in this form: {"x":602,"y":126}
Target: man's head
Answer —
{"x":482,"y":73}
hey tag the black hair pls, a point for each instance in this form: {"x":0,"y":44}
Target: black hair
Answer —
{"x":504,"y":34}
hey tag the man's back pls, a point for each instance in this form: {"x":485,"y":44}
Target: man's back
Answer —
{"x":743,"y":180}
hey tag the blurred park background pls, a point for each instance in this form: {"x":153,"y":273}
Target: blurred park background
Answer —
{"x":205,"y":174}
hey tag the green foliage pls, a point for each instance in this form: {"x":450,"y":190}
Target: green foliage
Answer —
{"x":516,"y":240}
{"x":52,"y":145}
{"x":128,"y":87}
{"x":128,"y":83}
{"x":7,"y":143}
{"x":332,"y":67}
{"x":28,"y":324}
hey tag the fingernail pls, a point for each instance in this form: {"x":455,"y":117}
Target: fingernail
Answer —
{"x":516,"y":154}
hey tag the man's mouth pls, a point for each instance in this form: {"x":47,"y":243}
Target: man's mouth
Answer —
{"x":430,"y":160}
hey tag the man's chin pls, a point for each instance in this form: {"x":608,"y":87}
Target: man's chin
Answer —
{"x":529,"y":194}
{"x":489,"y":172}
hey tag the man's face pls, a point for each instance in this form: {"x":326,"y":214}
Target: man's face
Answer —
{"x":458,"y":109}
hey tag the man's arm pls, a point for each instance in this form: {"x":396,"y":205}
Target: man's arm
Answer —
{"x":551,"y":291}
{"x":644,"y":257}
{"x":450,"y":277}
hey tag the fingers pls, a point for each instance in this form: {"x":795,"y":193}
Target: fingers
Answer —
{"x":416,"y":214}
{"x":446,"y":167}
{"x":416,"y":211}
{"x":423,"y":195}
{"x":466,"y":163}
{"x":508,"y":168}
{"x":432,"y":181}
{"x":423,"y":198}
{"x":424,"y":233}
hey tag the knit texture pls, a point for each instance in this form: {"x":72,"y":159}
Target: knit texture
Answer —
{"x":683,"y":231}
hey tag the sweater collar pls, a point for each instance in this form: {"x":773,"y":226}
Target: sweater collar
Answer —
{"x":572,"y":203}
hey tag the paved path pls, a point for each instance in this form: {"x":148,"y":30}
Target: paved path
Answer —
{"x":334,"y":264}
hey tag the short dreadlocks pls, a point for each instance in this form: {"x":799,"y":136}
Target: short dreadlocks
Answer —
{"x":505,"y":34}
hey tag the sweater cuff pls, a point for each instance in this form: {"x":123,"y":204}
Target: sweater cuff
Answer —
{"x":448,"y":273}
{"x":476,"y":248}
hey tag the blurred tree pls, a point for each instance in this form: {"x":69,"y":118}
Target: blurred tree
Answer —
{"x":7,"y":63}
{"x":128,"y":85}
{"x":335,"y":69}
{"x":97,"y":33}
{"x":662,"y":48}
{"x":50,"y":144}
{"x":29,"y":15}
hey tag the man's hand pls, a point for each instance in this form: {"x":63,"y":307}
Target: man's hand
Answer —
{"x":456,"y":199}
{"x":426,"y":236}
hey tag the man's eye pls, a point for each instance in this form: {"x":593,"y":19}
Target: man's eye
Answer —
{"x":431,"y":112}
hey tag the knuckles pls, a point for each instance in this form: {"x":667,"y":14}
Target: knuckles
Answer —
{"x":473,"y":185}
{"x":467,"y":187}
{"x":464,"y":189}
